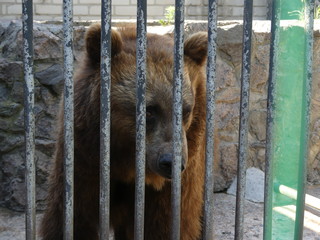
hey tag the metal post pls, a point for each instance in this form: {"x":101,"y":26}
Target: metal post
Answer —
{"x":105,"y":119}
{"x":140,"y":119}
{"x":29,"y":120}
{"x":177,"y":118}
{"x":210,"y":88}
{"x":244,"y":115}
{"x":288,"y":114}
{"x":68,"y":119}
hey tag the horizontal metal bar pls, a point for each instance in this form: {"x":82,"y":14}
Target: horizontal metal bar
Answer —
{"x":311,"y":201}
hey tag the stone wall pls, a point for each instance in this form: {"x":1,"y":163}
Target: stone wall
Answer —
{"x":126,"y":9}
{"x":48,"y":86}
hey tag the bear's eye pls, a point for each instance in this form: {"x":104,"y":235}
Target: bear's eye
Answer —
{"x":186,"y":113}
{"x":150,"y":116}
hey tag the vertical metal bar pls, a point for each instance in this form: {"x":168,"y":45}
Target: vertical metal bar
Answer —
{"x":140,"y":119}
{"x":210,"y":88}
{"x":68,"y":119}
{"x":105,"y":119}
{"x":177,"y":118}
{"x":244,"y":114}
{"x":309,"y":17}
{"x":29,"y":121}
{"x":268,"y":193}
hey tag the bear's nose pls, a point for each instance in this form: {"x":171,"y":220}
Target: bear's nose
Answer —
{"x":165,"y":161}
{"x":165,"y":164}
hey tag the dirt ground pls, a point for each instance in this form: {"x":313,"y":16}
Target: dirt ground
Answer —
{"x":12,"y":225}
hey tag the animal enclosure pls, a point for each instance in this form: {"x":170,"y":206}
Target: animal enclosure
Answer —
{"x":278,"y":136}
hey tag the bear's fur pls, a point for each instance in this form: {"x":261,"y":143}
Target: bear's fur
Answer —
{"x":159,"y":95}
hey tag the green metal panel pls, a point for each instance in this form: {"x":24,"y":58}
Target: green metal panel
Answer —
{"x":288,"y":117}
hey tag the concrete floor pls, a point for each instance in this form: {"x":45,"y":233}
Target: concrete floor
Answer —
{"x":12,"y":223}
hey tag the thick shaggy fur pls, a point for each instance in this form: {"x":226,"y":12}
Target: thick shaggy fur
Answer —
{"x":159,"y":140}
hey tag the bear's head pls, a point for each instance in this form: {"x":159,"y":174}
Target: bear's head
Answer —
{"x":159,"y":100}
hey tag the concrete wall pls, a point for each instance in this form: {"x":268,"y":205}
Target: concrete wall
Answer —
{"x":126,"y":9}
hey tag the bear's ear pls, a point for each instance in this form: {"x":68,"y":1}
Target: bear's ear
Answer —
{"x":195,"y":47}
{"x":92,"y":39}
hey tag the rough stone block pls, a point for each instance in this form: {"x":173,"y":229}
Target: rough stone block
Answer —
{"x":254,"y":185}
{"x":52,"y":77}
{"x":257,"y":123}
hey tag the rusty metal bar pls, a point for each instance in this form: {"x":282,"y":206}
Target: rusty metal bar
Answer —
{"x":244,"y":115}
{"x":105,"y":120}
{"x":210,"y":88}
{"x":140,"y":119}
{"x":68,"y":119}
{"x":29,"y":120}
{"x":177,"y":118}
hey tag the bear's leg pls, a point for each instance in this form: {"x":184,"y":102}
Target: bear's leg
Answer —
{"x":85,"y":213}
{"x":120,"y":235}
{"x":86,"y":208}
{"x":122,"y":205}
{"x":85,"y":229}
{"x":124,"y":230}
{"x":52,"y":223}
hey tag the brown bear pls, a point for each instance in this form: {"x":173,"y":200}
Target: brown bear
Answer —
{"x":159,"y":96}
